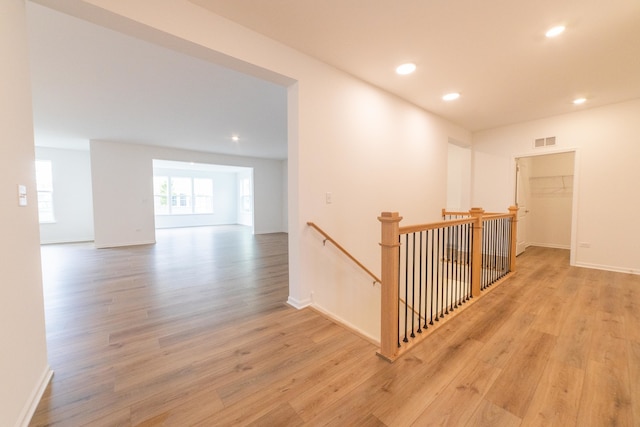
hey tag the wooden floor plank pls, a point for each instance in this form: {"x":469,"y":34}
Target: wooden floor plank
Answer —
{"x":195,"y":331}
{"x":515,"y":386}
{"x":458,"y":401}
{"x":557,"y":397}
{"x":606,"y":397}
{"x":489,"y":415}
{"x":634,"y":377}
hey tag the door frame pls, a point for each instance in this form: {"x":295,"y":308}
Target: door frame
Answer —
{"x":576,"y":188}
{"x":521,"y":215}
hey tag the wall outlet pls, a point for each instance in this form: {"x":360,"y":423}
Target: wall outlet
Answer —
{"x":328,"y":198}
{"x":584,"y":244}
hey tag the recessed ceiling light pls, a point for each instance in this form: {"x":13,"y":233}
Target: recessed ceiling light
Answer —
{"x":451,"y":96}
{"x":579,"y":101}
{"x":555,"y":31}
{"x":235,"y":138}
{"x":407,"y":68}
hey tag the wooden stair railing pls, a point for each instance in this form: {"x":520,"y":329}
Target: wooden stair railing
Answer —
{"x":375,"y":278}
{"x":472,"y":223}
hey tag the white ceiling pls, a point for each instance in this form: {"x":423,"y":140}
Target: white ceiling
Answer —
{"x":93,"y":83}
{"x":493,"y":52}
{"x":89,"y":82}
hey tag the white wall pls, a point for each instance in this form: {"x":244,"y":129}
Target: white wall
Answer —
{"x":285,"y":195}
{"x":371,"y":150}
{"x":225,"y":200}
{"x":122,"y":182}
{"x":607,"y":144}
{"x":23,"y":354}
{"x":245,"y":217}
{"x":72,"y":198}
{"x":458,"y":178}
{"x":123,"y":190}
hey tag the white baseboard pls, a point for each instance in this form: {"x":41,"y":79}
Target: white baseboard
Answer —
{"x":34,"y":399}
{"x":607,"y":268}
{"x":549,"y":245}
{"x":119,"y":245}
{"x":299,"y":304}
{"x":346,"y":325}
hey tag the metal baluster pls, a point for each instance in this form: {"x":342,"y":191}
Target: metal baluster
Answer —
{"x":399,"y":285}
{"x":452,"y":283}
{"x":447,"y":267}
{"x":510,"y":242}
{"x":433,"y":250}
{"x":413,"y":285}
{"x":491,"y":252}
{"x":443,"y":302}
{"x":501,"y":247}
{"x":426,"y":278}
{"x":438,"y":290}
{"x":467,"y":271}
{"x":406,"y":287}
{"x":456,"y":232}
{"x":485,"y":238}
{"x":454,"y":293}
{"x":498,"y":253}
{"x":420,"y":289}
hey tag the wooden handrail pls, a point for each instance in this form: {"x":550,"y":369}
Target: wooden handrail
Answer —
{"x":344,"y":251}
{"x":434,"y":225}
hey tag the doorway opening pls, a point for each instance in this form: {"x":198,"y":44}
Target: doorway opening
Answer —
{"x":544,"y":195}
{"x":187,"y":194}
{"x":458,"y":176}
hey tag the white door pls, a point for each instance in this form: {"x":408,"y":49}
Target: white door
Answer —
{"x":522,"y":185}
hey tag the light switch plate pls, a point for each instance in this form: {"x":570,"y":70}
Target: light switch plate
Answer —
{"x":22,"y":195}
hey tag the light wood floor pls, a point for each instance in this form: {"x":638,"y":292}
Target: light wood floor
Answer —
{"x":194,"y":331}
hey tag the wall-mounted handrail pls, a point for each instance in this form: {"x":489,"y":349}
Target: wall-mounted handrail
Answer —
{"x":376,"y":279}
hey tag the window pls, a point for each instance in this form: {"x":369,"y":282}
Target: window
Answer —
{"x":245,"y":194}
{"x":179,"y":195}
{"x":181,"y":191}
{"x":161,"y":194}
{"x":44,"y":182}
{"x":203,"y":191}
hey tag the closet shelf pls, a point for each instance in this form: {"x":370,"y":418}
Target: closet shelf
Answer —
{"x":551,"y":184}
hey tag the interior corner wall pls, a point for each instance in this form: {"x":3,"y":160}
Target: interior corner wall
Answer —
{"x":24,"y":371}
{"x":122,"y":176}
{"x":72,"y":198}
{"x":372,"y":151}
{"x":607,"y":145}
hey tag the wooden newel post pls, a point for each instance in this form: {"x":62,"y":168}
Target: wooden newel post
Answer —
{"x":476,"y":259}
{"x":513,"y":210}
{"x":390,"y":245}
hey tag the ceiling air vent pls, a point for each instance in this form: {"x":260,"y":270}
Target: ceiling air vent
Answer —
{"x":544,"y":142}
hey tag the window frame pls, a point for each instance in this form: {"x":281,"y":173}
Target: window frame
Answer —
{"x":45,"y":188}
{"x":179,"y":201}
